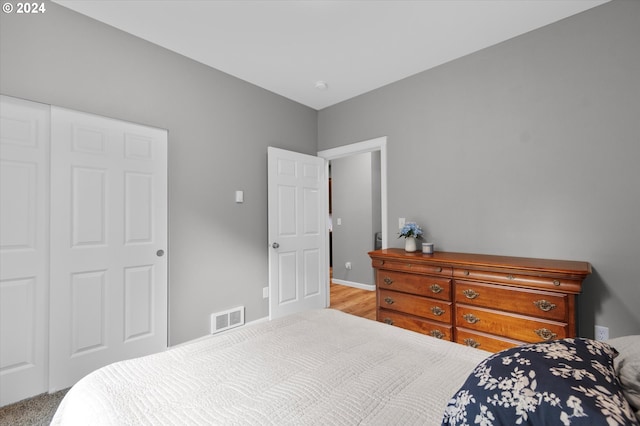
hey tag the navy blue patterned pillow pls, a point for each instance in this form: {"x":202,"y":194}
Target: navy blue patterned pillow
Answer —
{"x":562,"y":382}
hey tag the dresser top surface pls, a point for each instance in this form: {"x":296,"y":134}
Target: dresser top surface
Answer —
{"x":453,"y":259}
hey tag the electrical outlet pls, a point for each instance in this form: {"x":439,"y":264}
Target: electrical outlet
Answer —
{"x":347,"y":265}
{"x":601,"y":333}
{"x":401,"y":221}
{"x":265,"y":292}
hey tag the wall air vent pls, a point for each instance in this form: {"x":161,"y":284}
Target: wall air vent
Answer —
{"x":221,"y":321}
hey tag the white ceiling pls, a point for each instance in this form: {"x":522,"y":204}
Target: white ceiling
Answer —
{"x":354,"y":46}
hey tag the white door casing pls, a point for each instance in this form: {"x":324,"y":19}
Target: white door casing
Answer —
{"x":24,"y":248}
{"x":298,"y":195}
{"x":377,"y":144}
{"x":108,"y":298}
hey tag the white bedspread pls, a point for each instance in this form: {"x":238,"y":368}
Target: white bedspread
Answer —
{"x":319,"y":367}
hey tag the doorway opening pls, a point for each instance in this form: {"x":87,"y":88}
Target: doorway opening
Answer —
{"x":351,"y":265}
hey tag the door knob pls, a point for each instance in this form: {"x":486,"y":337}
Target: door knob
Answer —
{"x":160,"y":253}
{"x":275,"y":245}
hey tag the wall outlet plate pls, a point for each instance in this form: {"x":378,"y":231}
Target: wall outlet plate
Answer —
{"x":601,"y":333}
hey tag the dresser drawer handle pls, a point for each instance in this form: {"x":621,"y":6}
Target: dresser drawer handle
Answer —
{"x":544,"y":305}
{"x":436,"y":288}
{"x":470,"y":294}
{"x":436,"y":333}
{"x":470,"y":342}
{"x":470,"y":318}
{"x":465,"y":273}
{"x":437,"y":311}
{"x":510,"y":277}
{"x":387,"y":281}
{"x":556,"y":282}
{"x":389,"y":300}
{"x":388,"y":321}
{"x":439,"y":269}
{"x":381,"y":262}
{"x":545,"y":334}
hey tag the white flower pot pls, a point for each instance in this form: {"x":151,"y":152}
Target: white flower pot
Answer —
{"x":410,"y":244}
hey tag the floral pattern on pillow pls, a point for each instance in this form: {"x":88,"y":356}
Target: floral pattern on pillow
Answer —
{"x":562,"y":382}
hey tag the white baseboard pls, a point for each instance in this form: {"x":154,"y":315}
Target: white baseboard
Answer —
{"x":368,"y":287}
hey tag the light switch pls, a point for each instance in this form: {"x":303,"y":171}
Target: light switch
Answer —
{"x":338,"y":221}
{"x":239,"y":196}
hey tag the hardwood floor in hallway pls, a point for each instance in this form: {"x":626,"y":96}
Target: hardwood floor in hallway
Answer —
{"x":353,"y":301}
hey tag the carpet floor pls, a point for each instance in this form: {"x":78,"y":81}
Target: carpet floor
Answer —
{"x":36,"y":411}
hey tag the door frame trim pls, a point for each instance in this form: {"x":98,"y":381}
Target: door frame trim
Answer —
{"x":370,"y":145}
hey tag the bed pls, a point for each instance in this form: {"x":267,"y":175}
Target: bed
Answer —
{"x":317,"y":367}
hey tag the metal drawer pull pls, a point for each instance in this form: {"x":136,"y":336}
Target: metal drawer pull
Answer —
{"x":387,"y":281}
{"x":470,"y":342}
{"x":389,"y":300}
{"x":545,"y":334}
{"x":465,"y":273}
{"x":436,"y":333}
{"x":470,"y":294}
{"x":436,"y":288}
{"x":544,"y":305}
{"x":470,"y":318}
{"x":439,"y":269}
{"x":388,"y":321}
{"x":556,"y":282}
{"x":510,"y":277}
{"x":437,"y":311}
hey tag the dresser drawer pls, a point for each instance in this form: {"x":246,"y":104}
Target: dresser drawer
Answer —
{"x":424,"y":285}
{"x":414,"y":267}
{"x":513,"y":326}
{"x":519,"y":279}
{"x":484,"y":341}
{"x":434,"y":309}
{"x":421,"y":325}
{"x":541,"y":304}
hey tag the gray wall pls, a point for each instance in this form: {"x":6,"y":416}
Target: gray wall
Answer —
{"x":219,"y":130}
{"x":527,"y":148}
{"x":353,"y":197}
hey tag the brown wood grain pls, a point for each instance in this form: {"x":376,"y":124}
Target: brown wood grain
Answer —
{"x":355,"y":301}
{"x":510,"y":299}
{"x":484,"y":341}
{"x":429,"y":286}
{"x":500,"y":301}
{"x":577,"y":269}
{"x":432,"y":328}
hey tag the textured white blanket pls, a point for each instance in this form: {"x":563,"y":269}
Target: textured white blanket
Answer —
{"x":319,"y":367}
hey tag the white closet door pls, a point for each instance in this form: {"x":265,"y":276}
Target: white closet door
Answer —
{"x":24,"y":248}
{"x":109,"y":235}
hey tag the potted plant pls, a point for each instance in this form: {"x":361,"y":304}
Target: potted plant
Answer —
{"x":410,"y":231}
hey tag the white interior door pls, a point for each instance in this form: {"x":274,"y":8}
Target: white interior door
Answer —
{"x":297,"y":232}
{"x":109,"y":234}
{"x":24,"y":248}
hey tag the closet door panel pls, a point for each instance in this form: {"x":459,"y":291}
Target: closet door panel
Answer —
{"x":109,"y":236}
{"x":24,"y":248}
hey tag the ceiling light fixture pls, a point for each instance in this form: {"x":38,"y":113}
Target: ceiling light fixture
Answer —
{"x":321,"y":85}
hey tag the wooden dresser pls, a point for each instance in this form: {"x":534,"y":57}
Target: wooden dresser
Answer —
{"x":488,"y":302}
